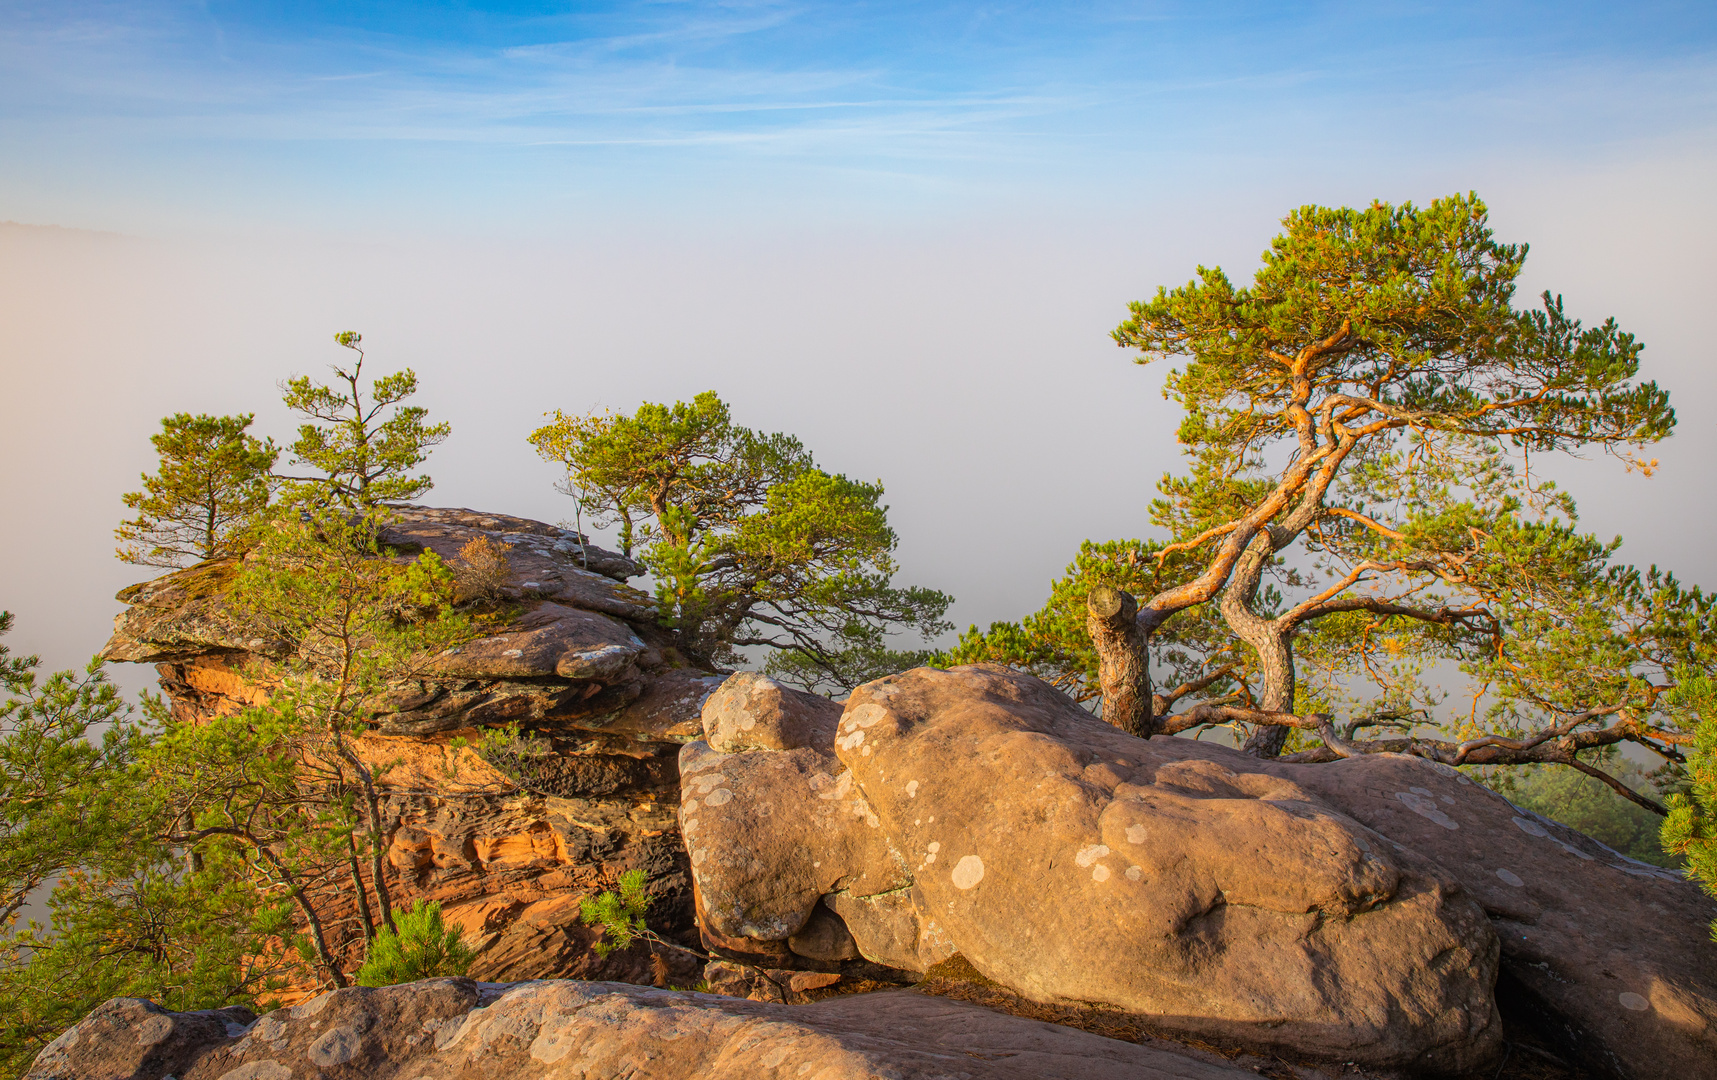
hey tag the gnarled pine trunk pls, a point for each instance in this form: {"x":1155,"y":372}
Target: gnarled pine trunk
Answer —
{"x":1273,"y":643}
{"x":1124,"y":670}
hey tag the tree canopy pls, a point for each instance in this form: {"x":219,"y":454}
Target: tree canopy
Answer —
{"x":82,"y":828}
{"x":1359,"y":507}
{"x":366,"y":459}
{"x":212,"y":481}
{"x":750,"y":544}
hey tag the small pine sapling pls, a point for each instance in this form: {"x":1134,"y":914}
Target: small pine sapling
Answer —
{"x":424,"y":948}
{"x":621,"y":917}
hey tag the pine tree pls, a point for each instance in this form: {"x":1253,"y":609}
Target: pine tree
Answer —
{"x":423,"y":948}
{"x":212,"y":481}
{"x":365,"y":459}
{"x":750,"y":544}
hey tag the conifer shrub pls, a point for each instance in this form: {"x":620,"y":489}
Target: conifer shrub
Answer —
{"x":620,"y":916}
{"x":424,"y":948}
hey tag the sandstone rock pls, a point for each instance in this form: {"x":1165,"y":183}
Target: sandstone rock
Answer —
{"x":438,"y":528}
{"x":980,"y":811}
{"x":550,"y":640}
{"x":1613,"y":953}
{"x":455,"y":1029}
{"x":131,"y":1038}
{"x":751,"y":712}
{"x":794,"y":824}
{"x":824,"y":938}
{"x":182,"y":614}
{"x":520,"y":838}
{"x":670,"y":707}
{"x":546,"y":562}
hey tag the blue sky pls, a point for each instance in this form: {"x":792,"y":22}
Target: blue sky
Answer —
{"x":487,"y":115}
{"x":901,"y":232}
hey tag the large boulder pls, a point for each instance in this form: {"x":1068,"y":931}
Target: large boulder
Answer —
{"x":1361,"y":910}
{"x":980,"y":812}
{"x":455,"y":1029}
{"x":1613,"y":956}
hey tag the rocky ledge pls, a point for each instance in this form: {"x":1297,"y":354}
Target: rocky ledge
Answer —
{"x":456,"y":1029}
{"x":1374,"y":910}
{"x":509,"y":849}
{"x":970,"y":827}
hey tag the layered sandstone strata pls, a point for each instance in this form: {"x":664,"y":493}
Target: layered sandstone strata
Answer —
{"x":509,"y":850}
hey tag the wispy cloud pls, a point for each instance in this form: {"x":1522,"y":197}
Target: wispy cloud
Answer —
{"x":990,"y":93}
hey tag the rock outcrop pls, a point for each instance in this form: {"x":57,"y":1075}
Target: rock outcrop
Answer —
{"x":509,"y":847}
{"x":938,"y":825}
{"x":1353,"y":911}
{"x":455,"y":1029}
{"x":1611,"y":956}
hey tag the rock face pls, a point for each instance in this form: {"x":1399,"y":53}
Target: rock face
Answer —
{"x":455,"y":1029}
{"x":1351,"y":911}
{"x":508,"y":847}
{"x":1613,"y":956}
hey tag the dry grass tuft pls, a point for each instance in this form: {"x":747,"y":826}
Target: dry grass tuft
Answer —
{"x":483,"y":570}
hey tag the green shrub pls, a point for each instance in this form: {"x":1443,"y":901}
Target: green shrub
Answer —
{"x":424,"y":949}
{"x":621,"y":916}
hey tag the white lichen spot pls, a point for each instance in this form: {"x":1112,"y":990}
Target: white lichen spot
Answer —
{"x":931,"y":819}
{"x":336,"y":1046}
{"x":691,"y":804}
{"x":867,"y":714}
{"x":1134,"y":873}
{"x":704,"y":783}
{"x":513,"y":654}
{"x":1509,"y":877}
{"x":1420,"y":802}
{"x":935,"y":846}
{"x":699,"y":856}
{"x":912,"y":789}
{"x":865,"y":752}
{"x":1633,"y":1002}
{"x":1100,"y":873}
{"x":929,"y":858}
{"x":1136,"y":834}
{"x":847,"y":742}
{"x":689,"y":826}
{"x":1530,"y":827}
{"x":717,"y":797}
{"x":1090,"y":854}
{"x":968,"y":872}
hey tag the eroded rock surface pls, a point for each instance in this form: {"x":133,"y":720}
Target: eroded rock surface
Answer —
{"x":979,"y":811}
{"x":1354,"y":911}
{"x":455,"y":1029}
{"x":508,"y":846}
{"x":1614,"y":954}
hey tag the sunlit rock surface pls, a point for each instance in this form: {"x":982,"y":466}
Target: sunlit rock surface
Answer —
{"x":1355,"y":911}
{"x":508,"y":852}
